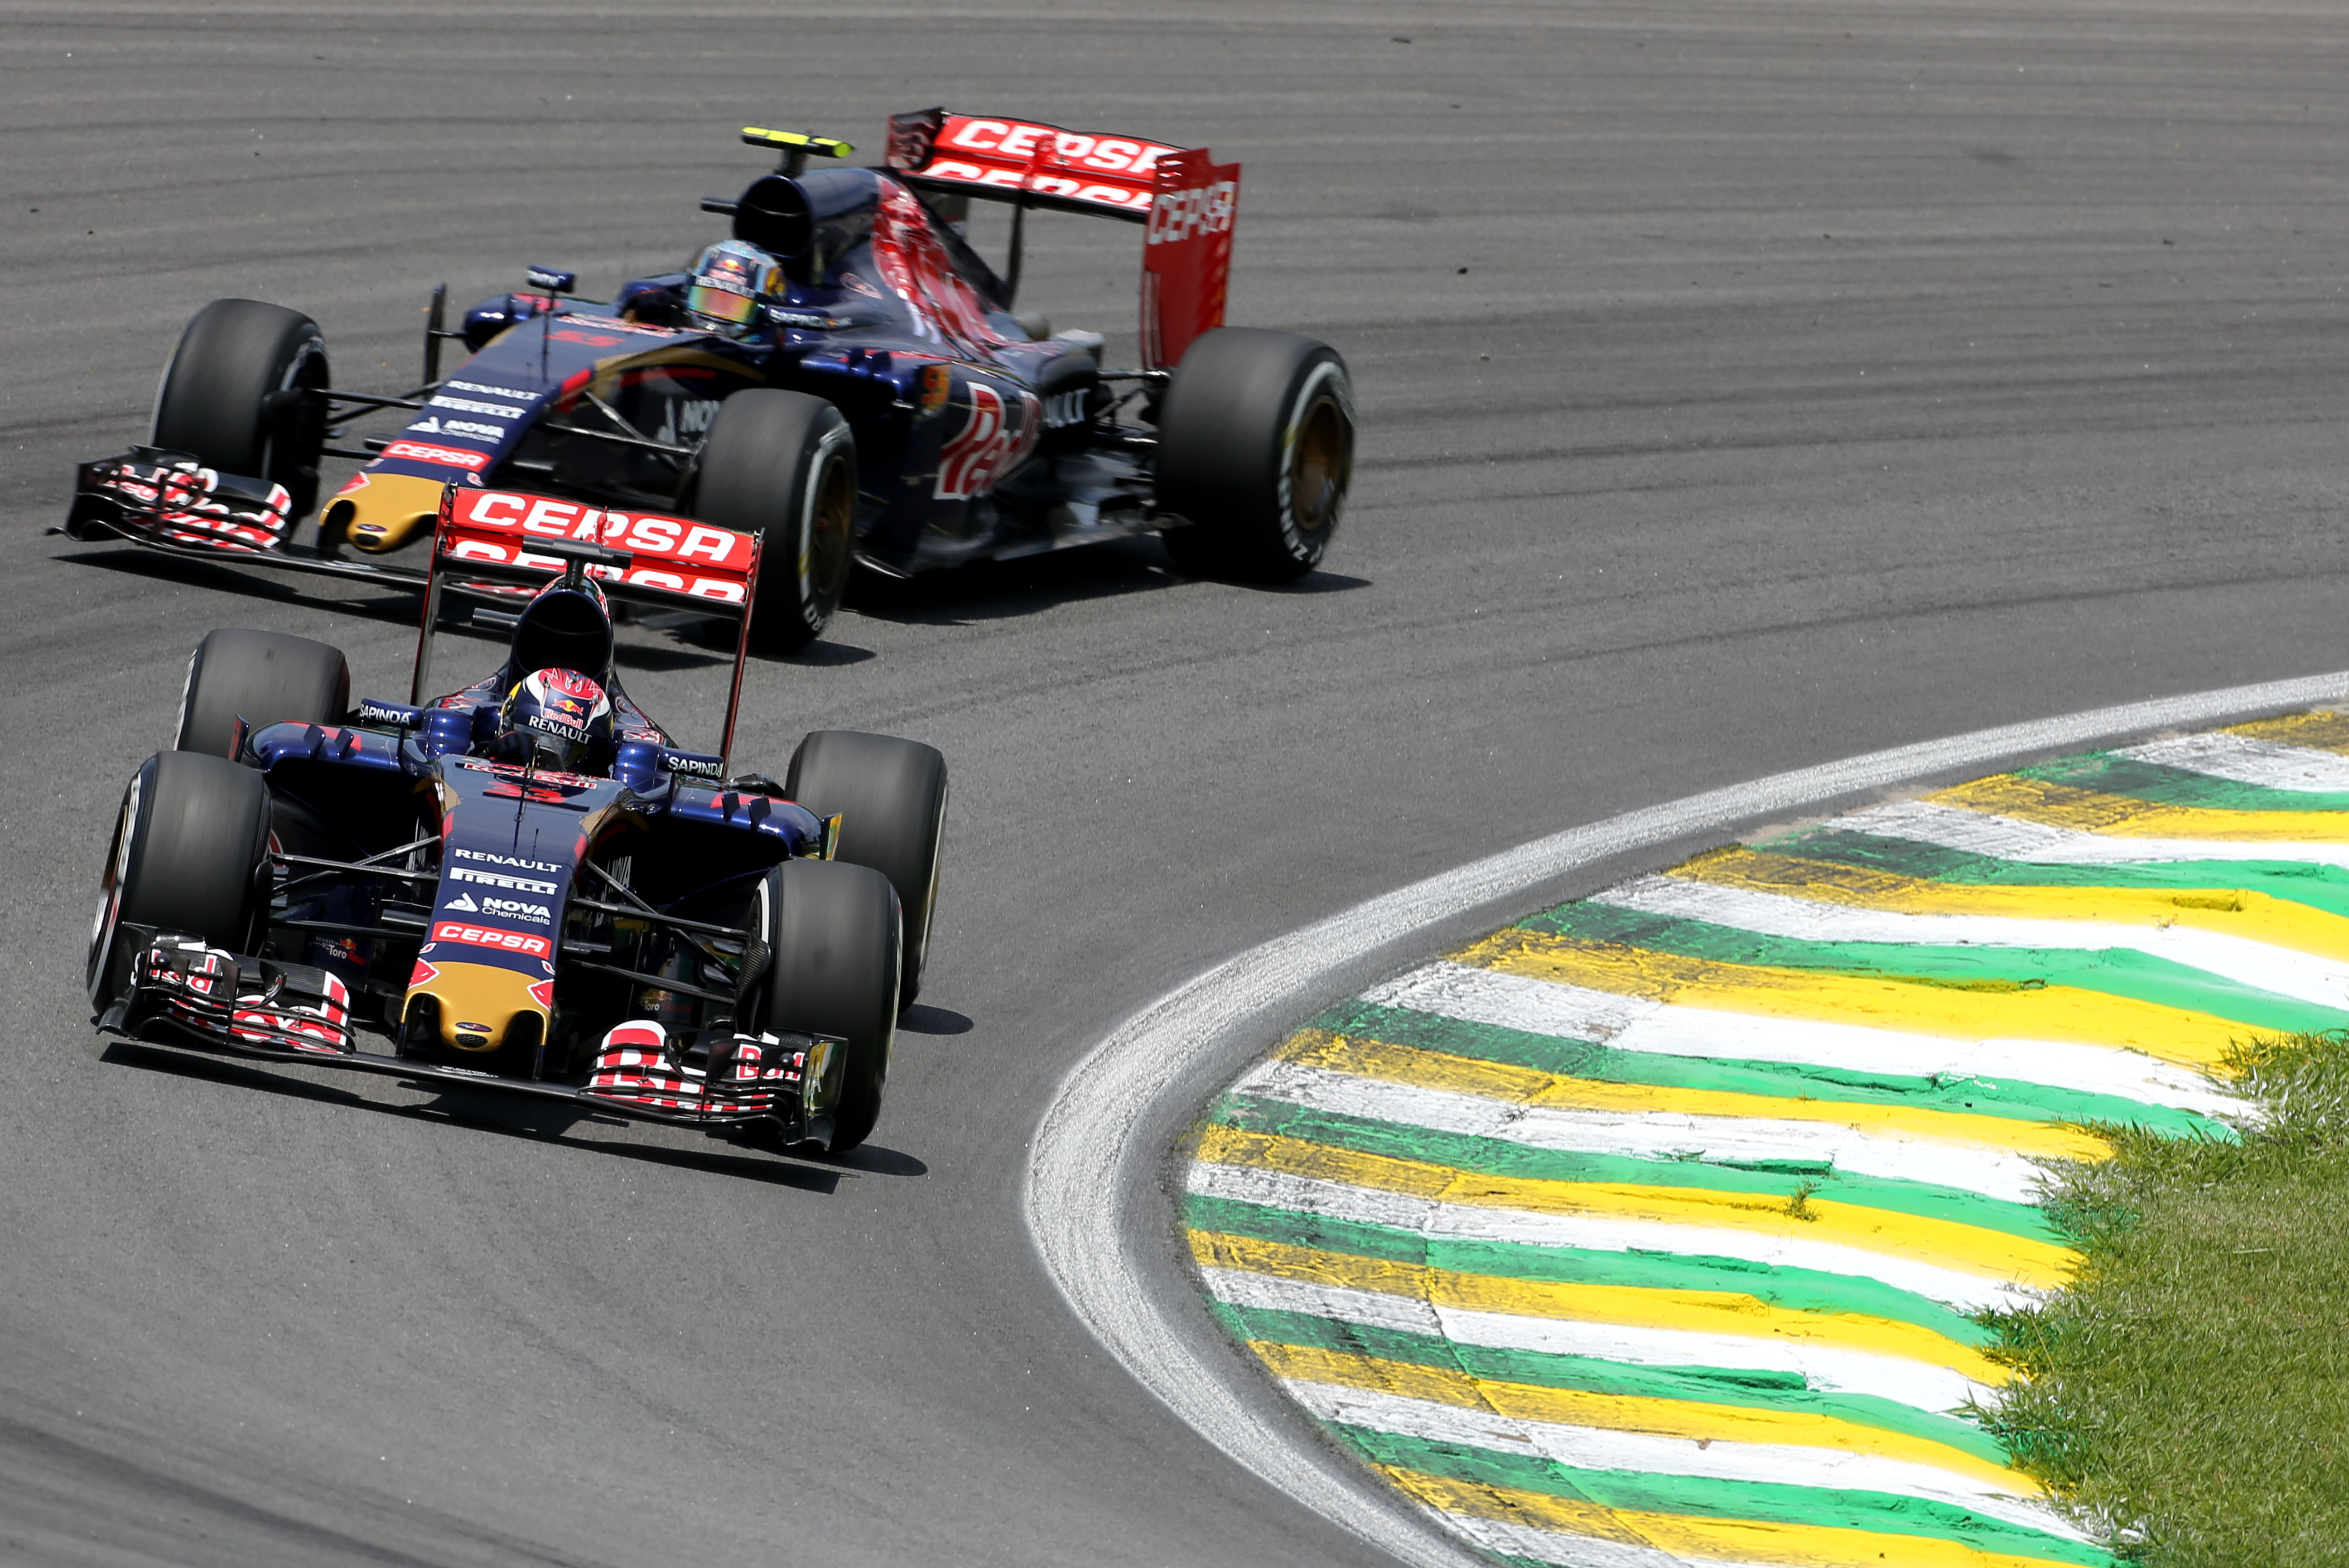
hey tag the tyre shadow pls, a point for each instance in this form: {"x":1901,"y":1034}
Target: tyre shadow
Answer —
{"x":539,"y":1121}
{"x":1003,"y":590}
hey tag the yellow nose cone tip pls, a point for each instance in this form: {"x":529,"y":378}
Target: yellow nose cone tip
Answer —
{"x":479,"y":1002}
{"x":387,"y":511}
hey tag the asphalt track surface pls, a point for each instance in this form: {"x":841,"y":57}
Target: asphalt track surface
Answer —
{"x":1821,"y":379}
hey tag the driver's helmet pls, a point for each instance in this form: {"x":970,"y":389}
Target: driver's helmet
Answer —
{"x":558,"y":718}
{"x":730,"y":282}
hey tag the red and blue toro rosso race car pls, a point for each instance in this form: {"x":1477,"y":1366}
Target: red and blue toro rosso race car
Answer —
{"x":527,"y":883}
{"x":843,"y":378}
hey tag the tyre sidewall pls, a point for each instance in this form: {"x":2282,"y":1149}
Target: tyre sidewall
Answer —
{"x":1324,"y":376}
{"x":261,"y":677}
{"x":891,"y":795}
{"x":763,"y":469}
{"x":208,"y":402}
{"x":832,"y":932}
{"x":1228,"y":430}
{"x":190,"y":854}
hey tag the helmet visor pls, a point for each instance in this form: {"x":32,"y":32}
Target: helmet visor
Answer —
{"x":713,"y":303}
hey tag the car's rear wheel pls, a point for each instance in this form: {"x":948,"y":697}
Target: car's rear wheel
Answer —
{"x":890,"y":795}
{"x":263,"y":677}
{"x":782,"y":466}
{"x":1256,"y":452}
{"x":190,"y":854}
{"x":231,"y":397}
{"x":832,"y":933}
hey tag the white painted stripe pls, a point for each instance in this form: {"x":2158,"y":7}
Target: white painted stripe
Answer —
{"x":1093,"y":1202}
{"x":2280,"y":971}
{"x":1636,"y":1024}
{"x":2044,"y":843}
{"x":1652,"y":1135}
{"x":2243,"y":759}
{"x":1720,"y":1458}
{"x":1513,"y":1539}
{"x":1439,"y":1221}
{"x":1826,"y":1368}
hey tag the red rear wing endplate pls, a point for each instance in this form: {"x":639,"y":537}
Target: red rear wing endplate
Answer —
{"x":512,"y":536}
{"x":1188,"y":200}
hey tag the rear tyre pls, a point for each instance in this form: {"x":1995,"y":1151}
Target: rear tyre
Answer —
{"x":190,"y":854}
{"x":229,"y":395}
{"x":833,"y":931}
{"x":890,"y":795}
{"x":1255,"y":451}
{"x":783,"y":466}
{"x":262,"y":677}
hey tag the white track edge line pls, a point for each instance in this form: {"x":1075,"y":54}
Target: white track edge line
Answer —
{"x":1086,"y":1150}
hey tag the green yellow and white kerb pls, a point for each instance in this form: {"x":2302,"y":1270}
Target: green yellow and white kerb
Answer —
{"x":1654,"y":1229}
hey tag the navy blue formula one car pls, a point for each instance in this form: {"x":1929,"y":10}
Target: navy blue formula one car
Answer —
{"x":844,"y":377}
{"x":526,"y":884}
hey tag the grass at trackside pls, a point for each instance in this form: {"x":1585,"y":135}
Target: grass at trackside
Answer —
{"x":2189,"y":1394}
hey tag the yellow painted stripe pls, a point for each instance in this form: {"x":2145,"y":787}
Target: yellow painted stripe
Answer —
{"x":1368,"y":1058}
{"x":2126,"y":817}
{"x":1992,"y":1010}
{"x":1945,"y":1243}
{"x":2255,"y":916}
{"x":1730,"y":1539}
{"x":2317,"y":732}
{"x":1694,"y":1312}
{"x":1629,"y":1413}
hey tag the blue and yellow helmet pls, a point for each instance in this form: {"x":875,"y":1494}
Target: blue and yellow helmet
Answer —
{"x":729,"y":285}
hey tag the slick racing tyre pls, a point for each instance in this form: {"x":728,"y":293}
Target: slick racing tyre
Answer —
{"x":263,"y":677}
{"x":1255,"y":450}
{"x":890,"y":795}
{"x":783,"y":466}
{"x":190,"y":854}
{"x":833,"y":931}
{"x":231,"y":396}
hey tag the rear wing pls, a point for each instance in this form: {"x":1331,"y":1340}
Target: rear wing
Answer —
{"x":483,"y":539}
{"x":1186,"y":200}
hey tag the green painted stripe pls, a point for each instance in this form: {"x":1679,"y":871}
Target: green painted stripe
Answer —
{"x":1795,"y":1289}
{"x":1589,"y":1059}
{"x":1497,"y":1156}
{"x":2318,"y":887}
{"x":1745,"y":1389}
{"x":2112,"y":972}
{"x":2137,"y":779}
{"x":1775,"y":1502}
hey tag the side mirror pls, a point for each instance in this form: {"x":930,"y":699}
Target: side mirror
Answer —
{"x":773,"y":215}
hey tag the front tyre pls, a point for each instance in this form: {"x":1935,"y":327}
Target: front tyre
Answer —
{"x":891,"y":796}
{"x":832,"y":932}
{"x":263,"y":677}
{"x":231,"y":397}
{"x":190,"y":854}
{"x":1255,"y":452}
{"x":782,"y":466}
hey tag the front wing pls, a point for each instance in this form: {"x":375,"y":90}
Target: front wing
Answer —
{"x":183,"y":992}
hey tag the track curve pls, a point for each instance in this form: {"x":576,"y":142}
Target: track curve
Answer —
{"x":1820,"y":381}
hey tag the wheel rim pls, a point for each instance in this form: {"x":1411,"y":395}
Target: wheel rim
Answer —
{"x":824,"y":551}
{"x":1318,"y":467}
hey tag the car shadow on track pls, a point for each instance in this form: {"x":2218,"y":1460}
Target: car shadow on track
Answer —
{"x":537,"y":1121}
{"x":661,"y":641}
{"x":1002,"y":590}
